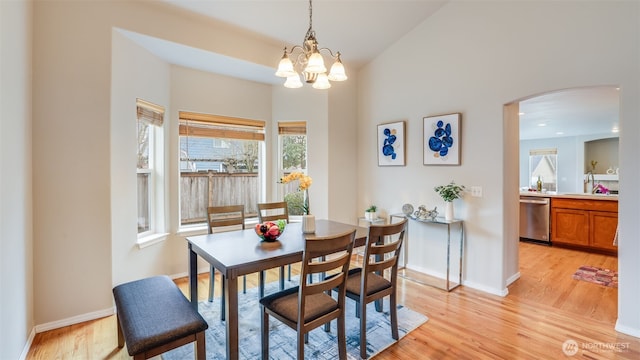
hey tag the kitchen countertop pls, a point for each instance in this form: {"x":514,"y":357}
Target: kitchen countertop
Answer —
{"x":551,"y":194}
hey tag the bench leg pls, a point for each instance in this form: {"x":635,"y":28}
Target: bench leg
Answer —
{"x":120,"y":334}
{"x":201,"y":351}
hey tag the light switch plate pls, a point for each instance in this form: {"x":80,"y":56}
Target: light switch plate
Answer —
{"x":476,"y":191}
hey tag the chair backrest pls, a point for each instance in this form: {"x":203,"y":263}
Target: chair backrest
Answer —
{"x":330,"y":254}
{"x":380,"y":255}
{"x":273,"y":211}
{"x":222,"y":216}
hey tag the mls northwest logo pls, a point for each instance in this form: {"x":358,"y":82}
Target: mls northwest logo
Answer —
{"x":570,"y":347}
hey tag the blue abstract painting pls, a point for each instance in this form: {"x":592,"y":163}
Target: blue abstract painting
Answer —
{"x":442,"y":140}
{"x":391,"y":144}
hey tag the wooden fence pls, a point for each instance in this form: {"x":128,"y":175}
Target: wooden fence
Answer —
{"x":200,"y":190}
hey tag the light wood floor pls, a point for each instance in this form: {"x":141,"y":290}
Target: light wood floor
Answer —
{"x":544,"y":308}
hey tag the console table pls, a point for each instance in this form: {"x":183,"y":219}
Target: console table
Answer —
{"x":459,"y":224}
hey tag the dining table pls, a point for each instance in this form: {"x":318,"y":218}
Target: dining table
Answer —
{"x":241,"y":252}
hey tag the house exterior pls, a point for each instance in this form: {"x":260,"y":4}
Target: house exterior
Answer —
{"x":70,"y":77}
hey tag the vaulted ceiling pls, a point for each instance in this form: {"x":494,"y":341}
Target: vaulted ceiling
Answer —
{"x":361,"y":30}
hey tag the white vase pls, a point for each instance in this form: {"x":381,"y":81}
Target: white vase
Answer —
{"x":308,"y":224}
{"x":448,"y":210}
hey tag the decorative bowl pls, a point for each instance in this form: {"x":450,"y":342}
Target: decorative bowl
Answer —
{"x":270,"y":231}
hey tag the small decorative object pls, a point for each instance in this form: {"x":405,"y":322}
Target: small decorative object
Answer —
{"x":423,"y":214}
{"x":391,"y":144}
{"x":269,"y":231}
{"x":304,"y":183}
{"x":593,"y":165}
{"x":442,"y":140}
{"x":371,"y":213}
{"x":449,"y":193}
{"x":407,"y":209}
{"x":539,"y":184}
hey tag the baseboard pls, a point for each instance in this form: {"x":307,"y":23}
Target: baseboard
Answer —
{"x":429,"y":272}
{"x":204,"y":270}
{"x":494,"y":291}
{"x":75,"y":320}
{"x":513,"y":278}
{"x":27,"y":346}
{"x":627,"y":330}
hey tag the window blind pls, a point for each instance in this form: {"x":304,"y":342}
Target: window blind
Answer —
{"x":217,"y":126}
{"x":149,"y":112}
{"x":540,"y":152}
{"x":292,"y":128}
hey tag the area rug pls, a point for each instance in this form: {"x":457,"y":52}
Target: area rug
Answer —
{"x":597,"y":275}
{"x":282,"y":343}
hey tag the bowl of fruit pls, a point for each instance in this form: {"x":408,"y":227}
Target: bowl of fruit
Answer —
{"x":269,"y":231}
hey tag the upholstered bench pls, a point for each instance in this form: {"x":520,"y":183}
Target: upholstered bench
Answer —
{"x":154,"y":317}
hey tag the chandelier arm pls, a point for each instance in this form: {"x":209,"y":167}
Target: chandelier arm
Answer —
{"x":293,"y":48}
{"x":330,"y":52}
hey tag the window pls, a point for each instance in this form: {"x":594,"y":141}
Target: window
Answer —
{"x":149,"y":130}
{"x":293,"y":157}
{"x":543,"y":165}
{"x":219,"y":164}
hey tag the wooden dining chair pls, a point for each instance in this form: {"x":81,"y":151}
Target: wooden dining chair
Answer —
{"x":273,"y":211}
{"x":224,"y":218}
{"x":309,"y":305}
{"x":368,"y":283}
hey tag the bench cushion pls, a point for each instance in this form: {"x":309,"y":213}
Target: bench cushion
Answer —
{"x":153,"y":312}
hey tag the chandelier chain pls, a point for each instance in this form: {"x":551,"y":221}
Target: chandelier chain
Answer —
{"x":310,"y":31}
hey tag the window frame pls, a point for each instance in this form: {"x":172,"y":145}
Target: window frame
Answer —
{"x":532,"y":175}
{"x":291,"y":128}
{"x":153,"y":115}
{"x":218,"y":128}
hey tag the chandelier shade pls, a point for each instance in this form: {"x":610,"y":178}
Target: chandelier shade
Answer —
{"x":309,"y":61}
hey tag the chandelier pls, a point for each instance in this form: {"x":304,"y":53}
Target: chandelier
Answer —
{"x":310,"y":63}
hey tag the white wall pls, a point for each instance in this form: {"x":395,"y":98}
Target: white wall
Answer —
{"x":16,"y":237}
{"x":136,"y":73}
{"x":474,"y":57}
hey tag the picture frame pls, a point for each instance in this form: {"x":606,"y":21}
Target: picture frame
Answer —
{"x":441,"y":139}
{"x":391,"y":144}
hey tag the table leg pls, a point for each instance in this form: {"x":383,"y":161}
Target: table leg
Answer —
{"x":261,"y":276}
{"x":281,"y":277}
{"x":231,"y":311}
{"x":193,"y":278}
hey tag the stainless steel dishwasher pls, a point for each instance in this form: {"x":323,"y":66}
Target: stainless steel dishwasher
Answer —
{"x":534,"y":218}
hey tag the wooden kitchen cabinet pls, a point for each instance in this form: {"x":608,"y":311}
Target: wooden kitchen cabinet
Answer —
{"x":602,"y":228}
{"x":584,"y":223}
{"x":570,"y":226}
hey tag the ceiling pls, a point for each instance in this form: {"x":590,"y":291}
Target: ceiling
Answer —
{"x":361,"y":30}
{"x":571,"y":112}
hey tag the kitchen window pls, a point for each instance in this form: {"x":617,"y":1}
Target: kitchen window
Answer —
{"x":543,"y":165}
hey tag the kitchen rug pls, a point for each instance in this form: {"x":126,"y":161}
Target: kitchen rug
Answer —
{"x":597,"y":275}
{"x":321,"y":346}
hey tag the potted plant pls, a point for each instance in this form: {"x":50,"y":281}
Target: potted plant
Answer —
{"x":371,"y":213}
{"x":448,"y":193}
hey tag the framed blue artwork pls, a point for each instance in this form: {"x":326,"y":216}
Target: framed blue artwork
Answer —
{"x":441,"y":140}
{"x":391,"y":144}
